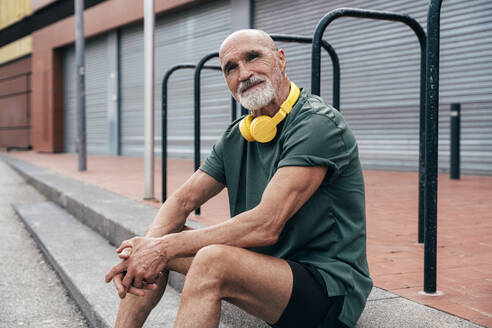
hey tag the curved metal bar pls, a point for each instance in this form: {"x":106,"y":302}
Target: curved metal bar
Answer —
{"x":331,"y":52}
{"x":165,"y":80}
{"x":357,"y":13}
{"x":431,"y":141}
{"x":198,"y":71}
{"x":420,"y":33}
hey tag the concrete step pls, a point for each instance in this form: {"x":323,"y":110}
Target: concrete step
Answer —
{"x":81,"y":258}
{"x":117,"y":218}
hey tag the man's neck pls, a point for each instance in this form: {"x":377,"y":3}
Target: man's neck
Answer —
{"x":273,"y":107}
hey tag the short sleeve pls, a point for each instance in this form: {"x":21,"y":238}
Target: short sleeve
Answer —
{"x":214,"y":163}
{"x":317,"y":140}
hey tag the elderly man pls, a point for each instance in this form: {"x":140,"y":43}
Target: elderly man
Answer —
{"x":294,"y":252}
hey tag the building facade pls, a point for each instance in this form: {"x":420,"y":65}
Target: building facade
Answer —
{"x":15,"y":79}
{"x":379,"y":75}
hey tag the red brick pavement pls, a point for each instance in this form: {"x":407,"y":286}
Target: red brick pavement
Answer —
{"x":395,"y":258}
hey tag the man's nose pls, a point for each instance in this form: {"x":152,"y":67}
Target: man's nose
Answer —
{"x":244,"y":72}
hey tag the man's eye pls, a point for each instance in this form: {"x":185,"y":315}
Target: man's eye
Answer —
{"x":252,"y":56}
{"x":230,"y":68}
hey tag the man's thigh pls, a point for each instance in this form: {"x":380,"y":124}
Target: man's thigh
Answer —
{"x":259,"y":284}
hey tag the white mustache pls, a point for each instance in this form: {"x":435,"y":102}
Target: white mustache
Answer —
{"x":247,"y":83}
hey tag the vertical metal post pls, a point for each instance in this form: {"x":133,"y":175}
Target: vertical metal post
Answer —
{"x":422,"y":100}
{"x":149,"y":99}
{"x":80,"y":84}
{"x":431,"y":140}
{"x":233,"y":109}
{"x":164,"y":137}
{"x":454,"y":171}
{"x":244,"y":111}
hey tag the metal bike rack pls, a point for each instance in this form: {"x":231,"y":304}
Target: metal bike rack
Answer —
{"x":198,"y":71}
{"x":164,"y":121}
{"x":429,"y":82}
{"x":388,"y":16}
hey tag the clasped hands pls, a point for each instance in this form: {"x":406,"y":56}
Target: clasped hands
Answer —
{"x":143,"y":259}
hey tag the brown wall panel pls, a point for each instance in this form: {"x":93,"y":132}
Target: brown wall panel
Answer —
{"x":13,"y":111}
{"x":14,"y":138}
{"x":16,"y":67}
{"x":13,"y":86}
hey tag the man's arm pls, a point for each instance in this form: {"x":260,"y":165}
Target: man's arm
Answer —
{"x":288,"y":190}
{"x":172,"y":215}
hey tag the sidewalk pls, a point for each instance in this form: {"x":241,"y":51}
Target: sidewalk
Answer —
{"x":395,"y":259}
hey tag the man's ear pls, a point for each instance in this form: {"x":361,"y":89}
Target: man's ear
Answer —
{"x":283,"y":62}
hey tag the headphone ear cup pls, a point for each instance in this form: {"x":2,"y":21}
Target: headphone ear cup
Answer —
{"x":245,"y":128}
{"x":263,"y":129}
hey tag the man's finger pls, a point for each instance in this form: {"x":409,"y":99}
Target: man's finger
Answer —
{"x":136,"y":291}
{"x":125,"y":244}
{"x":152,"y":286}
{"x":128,"y":279}
{"x":125,"y":253}
{"x":119,"y":286}
{"x":137,"y":281}
{"x":118,"y":268}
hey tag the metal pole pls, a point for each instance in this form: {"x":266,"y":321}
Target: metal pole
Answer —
{"x":149,"y":99}
{"x":431,"y":140}
{"x":233,"y":109}
{"x":455,"y":123}
{"x":80,"y":84}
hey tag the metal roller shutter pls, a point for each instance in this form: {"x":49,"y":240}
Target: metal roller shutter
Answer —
{"x":69,"y":112}
{"x":183,"y":37}
{"x":380,"y":75}
{"x":97,"y":70}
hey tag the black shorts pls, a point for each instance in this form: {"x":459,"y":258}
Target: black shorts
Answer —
{"x":309,"y":304}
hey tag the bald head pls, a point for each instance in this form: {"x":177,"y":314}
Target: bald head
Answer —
{"x":251,"y":36}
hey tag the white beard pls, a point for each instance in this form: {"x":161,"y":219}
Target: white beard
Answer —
{"x":259,"y":96}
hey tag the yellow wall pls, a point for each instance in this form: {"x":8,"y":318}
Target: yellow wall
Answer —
{"x":12,"y":11}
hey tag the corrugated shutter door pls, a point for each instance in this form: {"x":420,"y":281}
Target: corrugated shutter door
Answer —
{"x":380,"y":75}
{"x":183,"y":37}
{"x":69,"y":111}
{"x":96,"y":96}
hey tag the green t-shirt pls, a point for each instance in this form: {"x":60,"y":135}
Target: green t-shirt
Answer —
{"x":329,"y":230}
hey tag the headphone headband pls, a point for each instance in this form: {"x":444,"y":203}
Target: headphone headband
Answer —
{"x":287,"y":105}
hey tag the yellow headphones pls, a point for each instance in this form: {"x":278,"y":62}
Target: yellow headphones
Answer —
{"x":264,"y":128}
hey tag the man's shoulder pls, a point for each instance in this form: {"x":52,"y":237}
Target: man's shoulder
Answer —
{"x":312,"y":107}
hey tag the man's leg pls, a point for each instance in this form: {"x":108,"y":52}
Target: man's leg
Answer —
{"x":257,"y":283}
{"x":134,"y":310}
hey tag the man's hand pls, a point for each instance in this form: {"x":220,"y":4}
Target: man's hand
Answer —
{"x":143,"y":261}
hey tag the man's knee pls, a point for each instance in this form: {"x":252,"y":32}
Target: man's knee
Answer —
{"x":212,"y":258}
{"x":209,"y":267}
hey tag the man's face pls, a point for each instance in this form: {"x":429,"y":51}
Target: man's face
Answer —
{"x":253,"y":70}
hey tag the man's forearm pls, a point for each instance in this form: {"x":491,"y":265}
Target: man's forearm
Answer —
{"x":170,"y":218}
{"x":248,"y":229}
